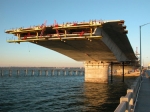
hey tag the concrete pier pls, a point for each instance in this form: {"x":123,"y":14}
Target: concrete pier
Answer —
{"x":1,"y":72}
{"x":39,"y":73}
{"x":96,"y":72}
{"x":32,"y":73}
{"x":76,"y":72}
{"x":46,"y":73}
{"x":53,"y":72}
{"x":17,"y":72}
{"x":10,"y":73}
{"x":58,"y":72}
{"x":26,"y":71}
{"x":64,"y":72}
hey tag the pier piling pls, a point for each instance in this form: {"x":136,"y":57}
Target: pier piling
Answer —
{"x":10,"y":73}
{"x":122,"y":71}
{"x":76,"y":73}
{"x":111,"y":71}
{"x":64,"y":72}
{"x":53,"y":72}
{"x":26,"y":72}
{"x":46,"y":73}
{"x":58,"y":72}
{"x":17,"y":72}
{"x":32,"y":72}
{"x":1,"y":72}
{"x":39,"y":73}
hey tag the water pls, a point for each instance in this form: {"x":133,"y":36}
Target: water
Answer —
{"x":58,"y":93}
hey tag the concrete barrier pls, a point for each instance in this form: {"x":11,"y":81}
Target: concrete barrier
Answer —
{"x":128,"y":101}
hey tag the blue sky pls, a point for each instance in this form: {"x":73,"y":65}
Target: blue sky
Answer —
{"x":25,"y":13}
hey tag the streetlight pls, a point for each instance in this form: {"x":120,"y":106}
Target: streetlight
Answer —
{"x":140,"y":47}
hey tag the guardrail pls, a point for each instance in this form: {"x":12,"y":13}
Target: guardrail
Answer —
{"x":128,"y":102}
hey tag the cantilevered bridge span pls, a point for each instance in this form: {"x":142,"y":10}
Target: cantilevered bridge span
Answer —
{"x":97,"y":43}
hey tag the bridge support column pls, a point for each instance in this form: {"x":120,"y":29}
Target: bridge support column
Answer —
{"x":122,"y":71}
{"x":96,"y":72}
{"x":111,"y":71}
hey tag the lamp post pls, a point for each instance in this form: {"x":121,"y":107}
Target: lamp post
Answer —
{"x":140,"y":47}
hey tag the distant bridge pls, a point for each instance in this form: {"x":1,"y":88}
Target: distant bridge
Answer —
{"x":97,"y":43}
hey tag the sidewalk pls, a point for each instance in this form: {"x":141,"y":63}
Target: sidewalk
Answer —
{"x":143,"y":101}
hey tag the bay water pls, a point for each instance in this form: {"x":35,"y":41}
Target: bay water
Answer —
{"x":55,"y":92}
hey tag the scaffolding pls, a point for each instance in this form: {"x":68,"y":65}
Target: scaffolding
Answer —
{"x":65,"y":31}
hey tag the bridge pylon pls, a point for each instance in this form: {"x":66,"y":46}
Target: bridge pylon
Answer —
{"x":96,"y":71}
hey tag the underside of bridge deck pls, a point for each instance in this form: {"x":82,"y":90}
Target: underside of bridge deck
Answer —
{"x":81,"y":50}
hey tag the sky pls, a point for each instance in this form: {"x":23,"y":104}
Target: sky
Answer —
{"x":26,"y":13}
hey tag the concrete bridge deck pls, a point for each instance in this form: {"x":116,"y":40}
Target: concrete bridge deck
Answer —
{"x":97,"y":43}
{"x":143,"y":101}
{"x":85,"y":41}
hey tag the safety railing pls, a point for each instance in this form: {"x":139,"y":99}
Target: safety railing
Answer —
{"x":128,"y":101}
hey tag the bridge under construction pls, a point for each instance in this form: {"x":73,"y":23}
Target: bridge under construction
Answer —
{"x":98,"y":43}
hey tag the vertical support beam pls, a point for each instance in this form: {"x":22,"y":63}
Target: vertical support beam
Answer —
{"x":123,"y":71}
{"x":91,"y":32}
{"x":111,"y":71}
{"x":46,"y":73}
{"x":10,"y":73}
{"x":76,"y":72}
{"x":18,"y":35}
{"x":39,"y":72}
{"x":1,"y":72}
{"x":32,"y":73}
{"x":37,"y":34}
{"x":26,"y":72}
{"x":65,"y":32}
{"x":17,"y":72}
{"x":53,"y":72}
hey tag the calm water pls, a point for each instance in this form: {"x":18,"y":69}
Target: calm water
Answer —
{"x":58,"y":93}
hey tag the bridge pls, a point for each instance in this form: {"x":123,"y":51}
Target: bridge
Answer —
{"x":97,"y":43}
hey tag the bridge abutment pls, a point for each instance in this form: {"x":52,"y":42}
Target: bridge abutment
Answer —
{"x":96,"y":72}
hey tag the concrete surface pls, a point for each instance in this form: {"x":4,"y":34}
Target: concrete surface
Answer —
{"x":143,"y":102}
{"x":96,"y":72}
{"x":114,"y":46}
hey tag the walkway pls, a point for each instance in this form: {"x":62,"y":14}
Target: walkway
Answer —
{"x":143,"y":103}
